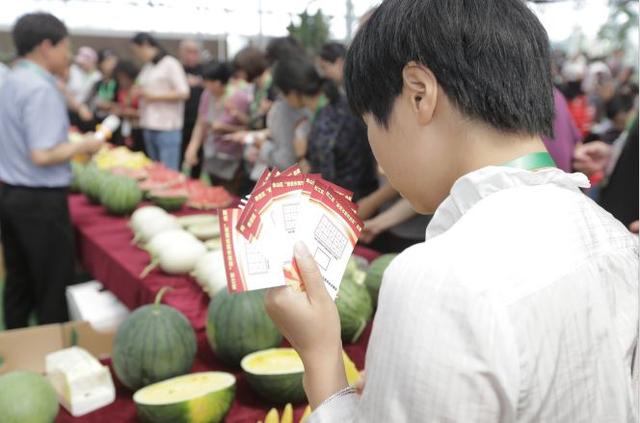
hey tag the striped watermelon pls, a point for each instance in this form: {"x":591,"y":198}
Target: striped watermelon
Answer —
{"x":91,"y":183}
{"x":76,"y":169}
{"x":120,"y":195}
{"x":169,"y":199}
{"x":27,"y":397}
{"x":238,"y":325}
{"x":354,"y":304}
{"x":155,"y":343}
{"x":374,"y":275}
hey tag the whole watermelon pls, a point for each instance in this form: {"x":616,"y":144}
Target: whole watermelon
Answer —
{"x":238,"y":325}
{"x":374,"y":275}
{"x":91,"y":183}
{"x":27,"y":397}
{"x":354,"y":304}
{"x":170,"y":200}
{"x":76,"y":169}
{"x":120,"y":195}
{"x":155,"y":343}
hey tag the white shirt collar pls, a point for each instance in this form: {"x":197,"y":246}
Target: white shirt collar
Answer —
{"x":474,"y":186}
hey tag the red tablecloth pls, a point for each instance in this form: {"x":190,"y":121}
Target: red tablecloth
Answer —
{"x":105,"y":251}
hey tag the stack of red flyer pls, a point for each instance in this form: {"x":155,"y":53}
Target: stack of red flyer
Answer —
{"x":285,"y":207}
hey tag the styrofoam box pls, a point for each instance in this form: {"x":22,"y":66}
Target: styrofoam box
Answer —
{"x":91,"y":302}
{"x":80,"y":381}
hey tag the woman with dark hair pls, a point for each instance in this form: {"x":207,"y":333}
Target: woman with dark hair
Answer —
{"x":163,"y":90}
{"x":330,"y":60}
{"x":331,"y":141}
{"x":103,"y":93}
{"x":253,"y":65}
{"x":126,"y":105}
{"x":272,"y":147}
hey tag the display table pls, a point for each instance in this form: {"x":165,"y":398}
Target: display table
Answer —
{"x":247,"y":406}
{"x":105,"y":251}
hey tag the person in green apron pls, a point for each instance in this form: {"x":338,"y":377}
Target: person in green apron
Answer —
{"x":522,"y":303}
{"x":103,"y":94}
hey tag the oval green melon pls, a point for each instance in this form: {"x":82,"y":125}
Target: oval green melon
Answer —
{"x":168,"y":201}
{"x":374,"y":275}
{"x":238,"y":325}
{"x":197,"y":219}
{"x":91,"y":183}
{"x":120,"y":195}
{"x":205,"y":231}
{"x":27,"y":397}
{"x":204,"y":397}
{"x":154,"y":343}
{"x":276,"y":375}
{"x":354,"y":305}
{"x":76,"y":169}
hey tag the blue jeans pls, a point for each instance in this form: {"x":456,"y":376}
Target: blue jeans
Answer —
{"x":164,"y":146}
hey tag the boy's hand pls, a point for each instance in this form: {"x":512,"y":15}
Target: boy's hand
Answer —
{"x":310,"y":322}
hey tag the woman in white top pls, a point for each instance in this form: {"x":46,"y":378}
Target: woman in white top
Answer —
{"x":163,"y":90}
{"x":522,"y":303}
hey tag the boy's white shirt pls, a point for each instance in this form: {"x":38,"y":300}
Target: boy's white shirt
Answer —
{"x":521,"y":306}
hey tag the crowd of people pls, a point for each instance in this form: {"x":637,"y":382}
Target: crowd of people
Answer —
{"x":264,"y":108}
{"x":280,"y":106}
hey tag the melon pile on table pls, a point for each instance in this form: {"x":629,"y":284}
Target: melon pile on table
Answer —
{"x":141,"y":178}
{"x":181,"y":245}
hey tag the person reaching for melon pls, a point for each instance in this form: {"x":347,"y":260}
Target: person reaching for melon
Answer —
{"x":522,"y":303}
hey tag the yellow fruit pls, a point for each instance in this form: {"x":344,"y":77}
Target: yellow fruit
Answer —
{"x":353,"y":375}
{"x":287,"y":414}
{"x":305,"y":415}
{"x":272,"y":416}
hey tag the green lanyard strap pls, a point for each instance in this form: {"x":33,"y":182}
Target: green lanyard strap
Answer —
{"x":106,"y":91}
{"x":322,"y":102}
{"x":28,"y":64}
{"x":532,"y":161}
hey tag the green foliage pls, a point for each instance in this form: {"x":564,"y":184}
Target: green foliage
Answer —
{"x":623,"y":17}
{"x":313,"y":30}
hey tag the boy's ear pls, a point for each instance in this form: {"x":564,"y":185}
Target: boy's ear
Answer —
{"x":420,"y":86}
{"x":45,"y":45}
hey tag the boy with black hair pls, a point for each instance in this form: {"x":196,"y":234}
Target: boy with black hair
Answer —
{"x":35,"y":173}
{"x":522,"y":303}
{"x":620,"y":109}
{"x":330,"y":60}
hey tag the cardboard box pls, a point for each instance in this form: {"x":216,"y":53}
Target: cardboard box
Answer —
{"x":26,"y":349}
